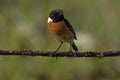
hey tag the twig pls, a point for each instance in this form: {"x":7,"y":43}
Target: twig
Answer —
{"x":60,"y":54}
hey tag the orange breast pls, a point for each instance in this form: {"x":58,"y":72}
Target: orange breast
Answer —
{"x":56,"y":28}
{"x":60,"y":31}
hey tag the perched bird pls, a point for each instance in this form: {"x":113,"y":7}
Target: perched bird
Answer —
{"x":61,"y":29}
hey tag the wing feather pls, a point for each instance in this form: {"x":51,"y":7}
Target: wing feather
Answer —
{"x":70,"y":28}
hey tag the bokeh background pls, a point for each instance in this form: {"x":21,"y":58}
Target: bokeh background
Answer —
{"x":23,"y":25}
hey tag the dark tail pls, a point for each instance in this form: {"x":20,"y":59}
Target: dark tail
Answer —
{"x":74,"y":47}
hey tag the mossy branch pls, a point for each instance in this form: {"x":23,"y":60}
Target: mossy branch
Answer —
{"x":59,"y":54}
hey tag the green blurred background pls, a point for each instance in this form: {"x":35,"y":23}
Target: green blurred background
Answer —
{"x":23,"y":25}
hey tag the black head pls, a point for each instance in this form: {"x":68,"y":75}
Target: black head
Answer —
{"x":56,"y":15}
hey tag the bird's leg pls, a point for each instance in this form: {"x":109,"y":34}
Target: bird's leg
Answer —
{"x":70,"y":51}
{"x":58,"y":48}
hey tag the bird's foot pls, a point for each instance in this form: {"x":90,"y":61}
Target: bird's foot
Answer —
{"x":55,"y":54}
{"x":70,"y":53}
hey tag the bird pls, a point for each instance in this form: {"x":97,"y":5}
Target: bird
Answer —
{"x":61,"y":29}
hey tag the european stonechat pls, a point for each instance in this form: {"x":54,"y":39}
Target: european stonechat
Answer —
{"x":61,"y":29}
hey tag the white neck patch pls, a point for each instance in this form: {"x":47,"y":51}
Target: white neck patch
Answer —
{"x":49,"y":20}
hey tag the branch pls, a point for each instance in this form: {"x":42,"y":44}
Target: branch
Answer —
{"x":60,"y":54}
